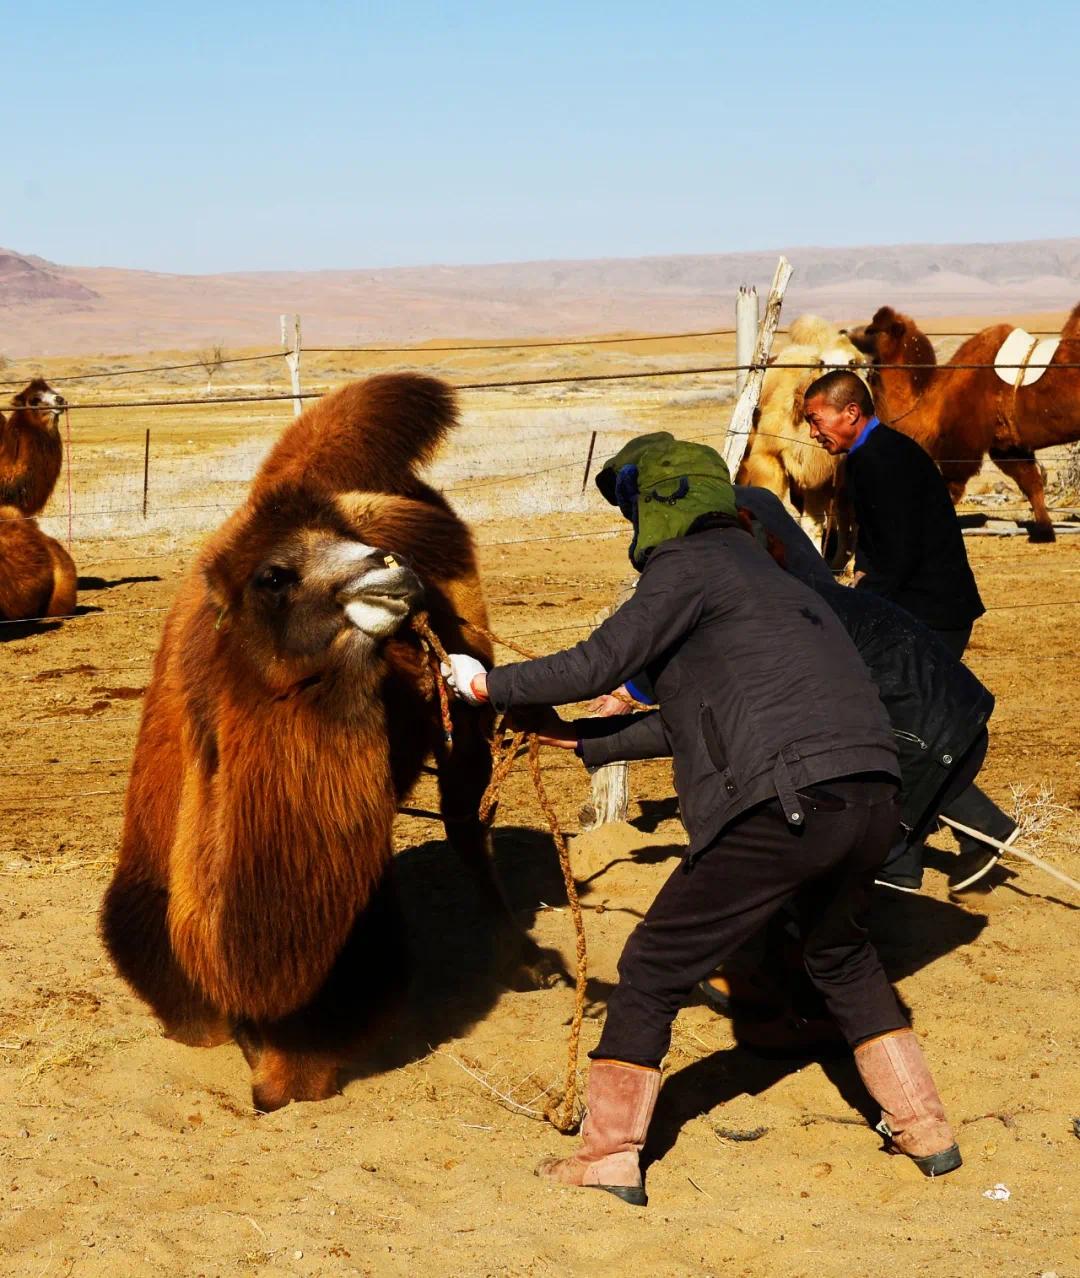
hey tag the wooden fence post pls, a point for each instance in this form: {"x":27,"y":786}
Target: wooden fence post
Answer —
{"x":747,"y":319}
{"x":743,"y":417}
{"x":146,"y":474}
{"x":609,"y":786}
{"x":292,"y":359}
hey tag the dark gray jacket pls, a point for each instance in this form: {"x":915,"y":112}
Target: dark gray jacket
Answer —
{"x":936,"y":706}
{"x":760,"y":691}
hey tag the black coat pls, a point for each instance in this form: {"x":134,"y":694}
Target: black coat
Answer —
{"x":761,"y":692}
{"x":936,"y":706}
{"x":910,"y":545}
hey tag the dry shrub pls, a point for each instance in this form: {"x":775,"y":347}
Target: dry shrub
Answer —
{"x":1039,"y":816}
{"x":1068,"y":473}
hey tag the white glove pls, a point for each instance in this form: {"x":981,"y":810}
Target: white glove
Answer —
{"x":460,"y":673}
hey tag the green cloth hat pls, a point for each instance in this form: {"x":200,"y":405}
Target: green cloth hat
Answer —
{"x":677,"y":483}
{"x":627,"y":456}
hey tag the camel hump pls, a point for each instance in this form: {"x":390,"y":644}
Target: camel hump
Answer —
{"x":370,"y":435}
{"x":1022,"y":359}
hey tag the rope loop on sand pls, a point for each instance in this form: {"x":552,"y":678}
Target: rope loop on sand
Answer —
{"x":506,"y":744}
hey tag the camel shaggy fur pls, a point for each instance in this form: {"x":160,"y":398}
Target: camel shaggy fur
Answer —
{"x":288,"y":715}
{"x":780,"y":454}
{"x":37,"y":575}
{"x":30,"y":448}
{"x":960,"y":415}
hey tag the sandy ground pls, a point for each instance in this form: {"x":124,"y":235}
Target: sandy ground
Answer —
{"x":123,"y":1153}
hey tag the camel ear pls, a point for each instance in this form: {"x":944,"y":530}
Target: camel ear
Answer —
{"x":883,"y":316}
{"x":219,"y":579}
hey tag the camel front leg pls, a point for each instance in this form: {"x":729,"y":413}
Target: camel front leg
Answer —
{"x":464,"y":773}
{"x":300,"y":1057}
{"x":134,"y":929}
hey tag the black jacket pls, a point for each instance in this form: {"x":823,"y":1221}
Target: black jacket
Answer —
{"x":760,"y":691}
{"x":936,"y":706}
{"x":910,"y":545}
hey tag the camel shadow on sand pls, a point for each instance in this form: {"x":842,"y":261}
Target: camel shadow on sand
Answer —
{"x":458,"y":972}
{"x":11,"y":630}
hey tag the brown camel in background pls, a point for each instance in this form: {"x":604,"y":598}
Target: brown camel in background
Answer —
{"x":960,"y":414}
{"x":289,"y":713}
{"x":780,"y":454}
{"x":37,"y":575}
{"x":30,"y":448}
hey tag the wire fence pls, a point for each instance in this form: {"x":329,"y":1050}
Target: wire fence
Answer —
{"x":89,"y":718}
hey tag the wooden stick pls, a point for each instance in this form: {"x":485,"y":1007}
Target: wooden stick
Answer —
{"x":1011,"y":850}
{"x":743,"y":416}
{"x":146,"y":473}
{"x":588,"y":461}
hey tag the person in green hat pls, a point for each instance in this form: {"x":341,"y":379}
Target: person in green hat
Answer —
{"x":786,"y":770}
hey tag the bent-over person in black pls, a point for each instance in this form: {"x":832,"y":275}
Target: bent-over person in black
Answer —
{"x":787,"y":773}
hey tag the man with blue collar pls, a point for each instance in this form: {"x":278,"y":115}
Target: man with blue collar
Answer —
{"x":911,"y":551}
{"x":910,"y":548}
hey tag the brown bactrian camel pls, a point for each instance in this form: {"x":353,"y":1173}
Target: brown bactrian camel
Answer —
{"x":780,"y":454}
{"x":37,"y":575}
{"x":30,"y":448}
{"x":960,"y":414}
{"x":288,"y":714}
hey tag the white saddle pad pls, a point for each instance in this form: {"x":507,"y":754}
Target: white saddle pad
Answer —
{"x":1020,"y":348}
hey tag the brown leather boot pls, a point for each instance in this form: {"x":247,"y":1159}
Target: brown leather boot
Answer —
{"x":894,"y":1072}
{"x":619,"y":1106}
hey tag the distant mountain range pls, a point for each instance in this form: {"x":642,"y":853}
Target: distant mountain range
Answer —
{"x":48,"y":309}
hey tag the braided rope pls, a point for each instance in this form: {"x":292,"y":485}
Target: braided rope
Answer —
{"x":505,"y":745}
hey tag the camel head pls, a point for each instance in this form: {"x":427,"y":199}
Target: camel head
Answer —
{"x":893,"y":338}
{"x":299,"y":597}
{"x":883,"y":336}
{"x":39,"y":405}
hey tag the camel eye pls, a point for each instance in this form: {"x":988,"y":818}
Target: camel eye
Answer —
{"x":275,"y":578}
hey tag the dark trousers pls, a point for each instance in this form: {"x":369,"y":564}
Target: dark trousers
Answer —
{"x":705,"y":911}
{"x":955,"y":640}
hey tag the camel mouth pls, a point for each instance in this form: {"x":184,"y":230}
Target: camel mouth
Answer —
{"x":378,"y":601}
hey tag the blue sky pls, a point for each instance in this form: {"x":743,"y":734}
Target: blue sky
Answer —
{"x":206,"y":137}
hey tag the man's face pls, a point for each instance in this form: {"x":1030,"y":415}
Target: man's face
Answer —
{"x":835,"y":429}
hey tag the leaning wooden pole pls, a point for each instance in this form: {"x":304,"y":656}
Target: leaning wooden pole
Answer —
{"x":742,"y":419}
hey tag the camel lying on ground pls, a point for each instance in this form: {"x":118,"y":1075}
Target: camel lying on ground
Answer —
{"x":780,"y":454}
{"x":30,"y":448}
{"x":37,"y":575}
{"x":959,"y":415}
{"x":289,"y":712}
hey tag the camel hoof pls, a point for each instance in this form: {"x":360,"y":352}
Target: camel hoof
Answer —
{"x":532,"y":967}
{"x":1041,"y":533}
{"x":266,"y":1097}
{"x":281,"y":1078}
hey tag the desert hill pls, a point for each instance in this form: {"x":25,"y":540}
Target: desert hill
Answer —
{"x":46,"y":308}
